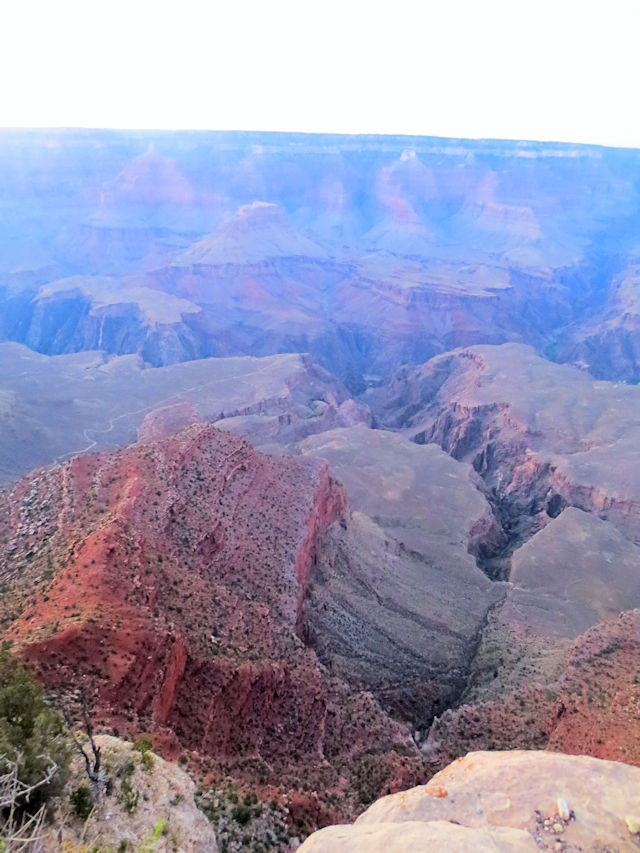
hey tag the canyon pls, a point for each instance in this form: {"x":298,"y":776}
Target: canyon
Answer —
{"x":366,"y":252}
{"x":320,"y":456}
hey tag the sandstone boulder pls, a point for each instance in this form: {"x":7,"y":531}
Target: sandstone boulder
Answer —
{"x":502,"y":801}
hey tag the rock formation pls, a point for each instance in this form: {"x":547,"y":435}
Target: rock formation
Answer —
{"x":502,"y":801}
{"x":532,"y":692}
{"x":547,"y":441}
{"x":367,"y":252}
{"x":169,"y":581}
{"x":606,"y":342}
{"x":339,"y":619}
{"x":542,"y":436}
{"x":398,"y":602}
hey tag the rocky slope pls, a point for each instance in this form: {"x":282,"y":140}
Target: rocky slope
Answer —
{"x":533,"y":692}
{"x":548,"y":442}
{"x":504,"y":801}
{"x":292,"y":627}
{"x":606,"y":342}
{"x":150,"y":806}
{"x":169,"y":582}
{"x":542,"y":436}
{"x":197,"y":588}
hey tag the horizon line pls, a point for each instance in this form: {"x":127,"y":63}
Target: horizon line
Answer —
{"x":347,"y":134}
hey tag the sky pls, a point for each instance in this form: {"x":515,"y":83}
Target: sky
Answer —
{"x":567,"y":70}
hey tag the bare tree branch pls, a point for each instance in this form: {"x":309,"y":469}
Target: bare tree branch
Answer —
{"x":12,"y":789}
{"x":88,"y":725}
{"x":92,"y":768}
{"x":21,"y":835}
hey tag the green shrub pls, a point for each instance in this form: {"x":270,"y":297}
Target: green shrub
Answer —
{"x":127,"y":769}
{"x":143,"y":744}
{"x":148,"y":761}
{"x":156,"y":834}
{"x":32,"y":733}
{"x":81,"y":802}
{"x":242,"y":814}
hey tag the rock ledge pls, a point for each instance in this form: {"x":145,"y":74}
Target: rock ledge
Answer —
{"x":502,"y":801}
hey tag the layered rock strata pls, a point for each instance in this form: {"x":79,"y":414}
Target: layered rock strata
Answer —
{"x":54,"y":407}
{"x":558,"y":453}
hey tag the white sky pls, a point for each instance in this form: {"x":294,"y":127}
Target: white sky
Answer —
{"x":525,"y":69}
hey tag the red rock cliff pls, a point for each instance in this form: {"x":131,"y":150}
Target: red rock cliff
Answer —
{"x":167,"y":580}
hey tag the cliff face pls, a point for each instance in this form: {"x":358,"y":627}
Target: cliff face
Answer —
{"x":607,"y":341}
{"x":578,"y":697}
{"x":542,"y":436}
{"x":168,"y":581}
{"x":233,"y":604}
{"x":502,"y":801}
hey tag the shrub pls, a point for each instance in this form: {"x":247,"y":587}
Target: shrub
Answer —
{"x":81,"y":802}
{"x":129,"y":797}
{"x":148,"y":761}
{"x":242,"y":814}
{"x":143,"y":744}
{"x":32,"y":733}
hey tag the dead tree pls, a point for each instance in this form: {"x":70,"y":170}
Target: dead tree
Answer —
{"x":93,"y":762}
{"x":21,"y":833}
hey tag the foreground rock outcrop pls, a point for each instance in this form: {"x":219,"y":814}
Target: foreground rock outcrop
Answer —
{"x":503,"y":801}
{"x":149,"y":806}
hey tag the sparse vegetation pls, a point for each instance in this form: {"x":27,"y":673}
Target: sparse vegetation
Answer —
{"x":143,"y":746}
{"x":244,"y":822}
